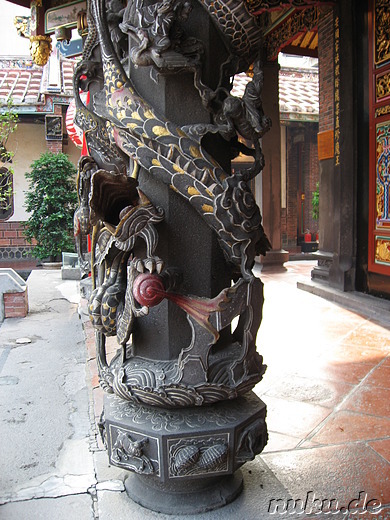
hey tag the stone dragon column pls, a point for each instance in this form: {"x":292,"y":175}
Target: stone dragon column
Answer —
{"x":175,"y":235}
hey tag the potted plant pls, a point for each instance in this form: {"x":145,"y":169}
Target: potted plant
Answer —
{"x":51,"y":201}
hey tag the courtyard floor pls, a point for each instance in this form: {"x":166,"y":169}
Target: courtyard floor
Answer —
{"x":327,"y":391}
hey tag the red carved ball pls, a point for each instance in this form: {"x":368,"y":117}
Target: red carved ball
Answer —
{"x":148,"y":289}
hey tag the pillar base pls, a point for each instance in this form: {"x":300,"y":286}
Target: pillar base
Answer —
{"x":190,"y":497}
{"x":184,"y":461}
{"x":320,"y":272}
{"x":274,"y":258}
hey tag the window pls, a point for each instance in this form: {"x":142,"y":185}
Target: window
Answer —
{"x":6,"y":193}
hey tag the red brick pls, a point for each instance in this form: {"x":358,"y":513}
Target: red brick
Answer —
{"x":10,"y":234}
{"x":54,"y":146}
{"x":18,"y":242}
{"x":15,"y":305}
{"x":15,"y":314}
{"x":14,"y":225}
{"x":12,"y":298}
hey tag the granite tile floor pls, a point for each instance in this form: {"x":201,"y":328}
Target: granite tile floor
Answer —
{"x":327,"y":391}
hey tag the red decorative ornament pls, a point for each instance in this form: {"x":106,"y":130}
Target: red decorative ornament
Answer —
{"x":148,"y":289}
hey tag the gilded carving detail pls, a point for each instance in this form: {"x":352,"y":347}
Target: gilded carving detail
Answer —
{"x":382,"y":31}
{"x":382,"y":251}
{"x":382,"y":86}
{"x":382,"y":111}
{"x":383,"y":176}
{"x":126,"y":285}
{"x":22,"y":25}
{"x":301,"y":22}
{"x":40,"y":49}
{"x":142,"y":162}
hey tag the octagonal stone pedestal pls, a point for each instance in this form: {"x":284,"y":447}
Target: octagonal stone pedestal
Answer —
{"x":184,"y":461}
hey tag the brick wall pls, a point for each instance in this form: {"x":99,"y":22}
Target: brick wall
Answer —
{"x":54,"y":146}
{"x":326,"y":69}
{"x":13,"y":244}
{"x":12,"y":234}
{"x":15,"y":304}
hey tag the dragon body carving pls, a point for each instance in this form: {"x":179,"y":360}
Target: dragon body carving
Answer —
{"x":122,"y":123}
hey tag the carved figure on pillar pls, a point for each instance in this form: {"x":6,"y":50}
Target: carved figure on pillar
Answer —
{"x":198,"y":355}
{"x":82,"y":224}
{"x":157,"y":35}
{"x":115,"y":11}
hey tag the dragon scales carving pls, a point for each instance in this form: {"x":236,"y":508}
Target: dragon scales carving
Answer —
{"x":118,"y":124}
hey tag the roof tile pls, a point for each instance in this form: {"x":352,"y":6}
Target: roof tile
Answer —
{"x":23,"y":82}
{"x":298,"y":91}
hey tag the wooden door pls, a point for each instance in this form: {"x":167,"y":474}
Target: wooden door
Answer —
{"x":379,"y":96}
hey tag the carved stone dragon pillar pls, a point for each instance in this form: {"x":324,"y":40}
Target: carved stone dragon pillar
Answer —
{"x":175,"y":235}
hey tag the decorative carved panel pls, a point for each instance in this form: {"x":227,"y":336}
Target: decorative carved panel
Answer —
{"x":379,"y":96}
{"x":383,"y":87}
{"x":382,"y":31}
{"x":382,"y":251}
{"x":298,"y":24}
{"x":382,"y":175}
{"x":260,"y":6}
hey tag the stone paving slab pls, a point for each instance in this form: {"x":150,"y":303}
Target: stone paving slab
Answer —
{"x":75,"y":507}
{"x":45,"y":427}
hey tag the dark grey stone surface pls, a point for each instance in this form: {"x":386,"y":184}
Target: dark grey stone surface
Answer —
{"x":191,"y":451}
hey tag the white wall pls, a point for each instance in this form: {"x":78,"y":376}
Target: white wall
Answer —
{"x":28,"y":143}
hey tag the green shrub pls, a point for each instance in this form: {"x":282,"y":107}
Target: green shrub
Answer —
{"x":315,"y":201}
{"x":8,"y":125}
{"x":51,"y":200}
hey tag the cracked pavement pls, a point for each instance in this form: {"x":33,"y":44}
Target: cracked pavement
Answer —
{"x":328,"y":430}
{"x":46,"y":435}
{"x":52,"y":462}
